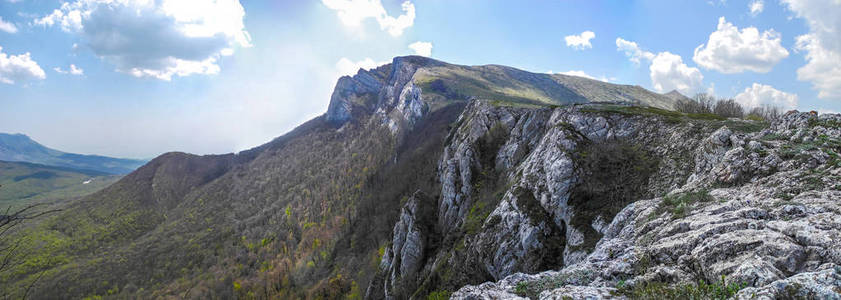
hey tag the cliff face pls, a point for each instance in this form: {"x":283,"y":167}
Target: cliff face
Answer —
{"x":760,"y":209}
{"x":425,"y":178}
{"x":515,"y":195}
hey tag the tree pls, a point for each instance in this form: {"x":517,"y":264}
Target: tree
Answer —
{"x":9,"y":252}
{"x":701,"y":103}
{"x":729,"y":109}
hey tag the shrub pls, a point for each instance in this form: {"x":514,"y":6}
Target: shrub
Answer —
{"x":729,"y":109}
{"x":766,"y":112}
{"x":701,"y":290}
{"x":679,"y":205}
{"x":701,"y":103}
{"x":611,"y":175}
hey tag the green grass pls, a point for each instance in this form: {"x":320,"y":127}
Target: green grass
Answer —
{"x":701,"y":290}
{"x":532,"y":289}
{"x":813,"y":122}
{"x":25,"y":183}
{"x":680,"y":205}
{"x":438,"y":295}
{"x":673,"y":117}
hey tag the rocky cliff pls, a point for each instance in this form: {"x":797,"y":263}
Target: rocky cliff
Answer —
{"x":758,"y":210}
{"x":426,"y":178}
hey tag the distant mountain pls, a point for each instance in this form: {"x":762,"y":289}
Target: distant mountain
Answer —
{"x":19,"y":147}
{"x":24,"y":183}
{"x":677,"y":96}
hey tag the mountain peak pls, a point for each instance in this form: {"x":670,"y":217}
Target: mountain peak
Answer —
{"x":436,"y":82}
{"x":19,"y":147}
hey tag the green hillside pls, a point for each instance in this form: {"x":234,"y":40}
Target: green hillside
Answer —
{"x":24,"y":183}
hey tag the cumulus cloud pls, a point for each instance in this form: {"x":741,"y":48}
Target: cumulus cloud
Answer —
{"x":19,"y":68}
{"x":73,"y":70}
{"x":348,"y":67}
{"x":667,"y":70}
{"x":421,"y":48}
{"x":7,"y":27}
{"x":581,"y":73}
{"x":633,"y":51}
{"x":756,"y":7}
{"x":758,"y":95}
{"x":822,"y":45}
{"x":730,"y":50}
{"x":353,"y":12}
{"x":581,"y":41}
{"x":158,"y":39}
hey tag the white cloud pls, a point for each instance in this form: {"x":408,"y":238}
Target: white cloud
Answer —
{"x":581,"y":73}
{"x":421,"y":48}
{"x":353,"y":12}
{"x":18,"y":68}
{"x":7,"y":27}
{"x":759,"y":95}
{"x":756,"y":7}
{"x":158,"y":39}
{"x":822,"y":45}
{"x":348,"y":67}
{"x":73,"y":70}
{"x":730,"y":50}
{"x":633,"y":51}
{"x":667,"y":70}
{"x":581,"y":41}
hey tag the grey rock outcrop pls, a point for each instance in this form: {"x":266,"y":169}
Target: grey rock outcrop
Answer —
{"x":409,"y":241}
{"x":758,"y":209}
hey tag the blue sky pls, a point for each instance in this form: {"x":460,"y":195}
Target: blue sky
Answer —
{"x":151,"y":76}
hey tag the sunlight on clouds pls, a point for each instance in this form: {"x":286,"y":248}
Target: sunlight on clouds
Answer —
{"x":667,"y":70}
{"x":633,"y":51}
{"x":581,"y":41}
{"x":353,"y":12}
{"x":347,"y":67}
{"x":158,"y":39}
{"x":822,"y":45}
{"x":421,"y":48}
{"x":7,"y":27}
{"x":19,"y":68}
{"x":581,"y":73}
{"x":756,"y":7}
{"x":758,"y":95}
{"x":730,"y":50}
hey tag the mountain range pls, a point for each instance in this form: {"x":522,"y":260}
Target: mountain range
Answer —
{"x":426,"y":179}
{"x":21,"y":148}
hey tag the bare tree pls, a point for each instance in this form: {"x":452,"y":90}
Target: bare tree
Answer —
{"x":766,"y":112}
{"x":701,"y":103}
{"x":9,"y":250}
{"x":729,"y":109}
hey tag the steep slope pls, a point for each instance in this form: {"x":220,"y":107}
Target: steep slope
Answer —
{"x":442,"y":83}
{"x":531,"y":189}
{"x":19,"y":147}
{"x":25,"y":183}
{"x":758,"y":211}
{"x":308,"y":215}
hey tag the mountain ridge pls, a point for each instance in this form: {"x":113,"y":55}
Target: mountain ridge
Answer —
{"x":20,"y":147}
{"x":421,"y":178}
{"x":492,"y":82}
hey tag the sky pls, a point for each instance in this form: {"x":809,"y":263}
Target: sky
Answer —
{"x":137,"y":78}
